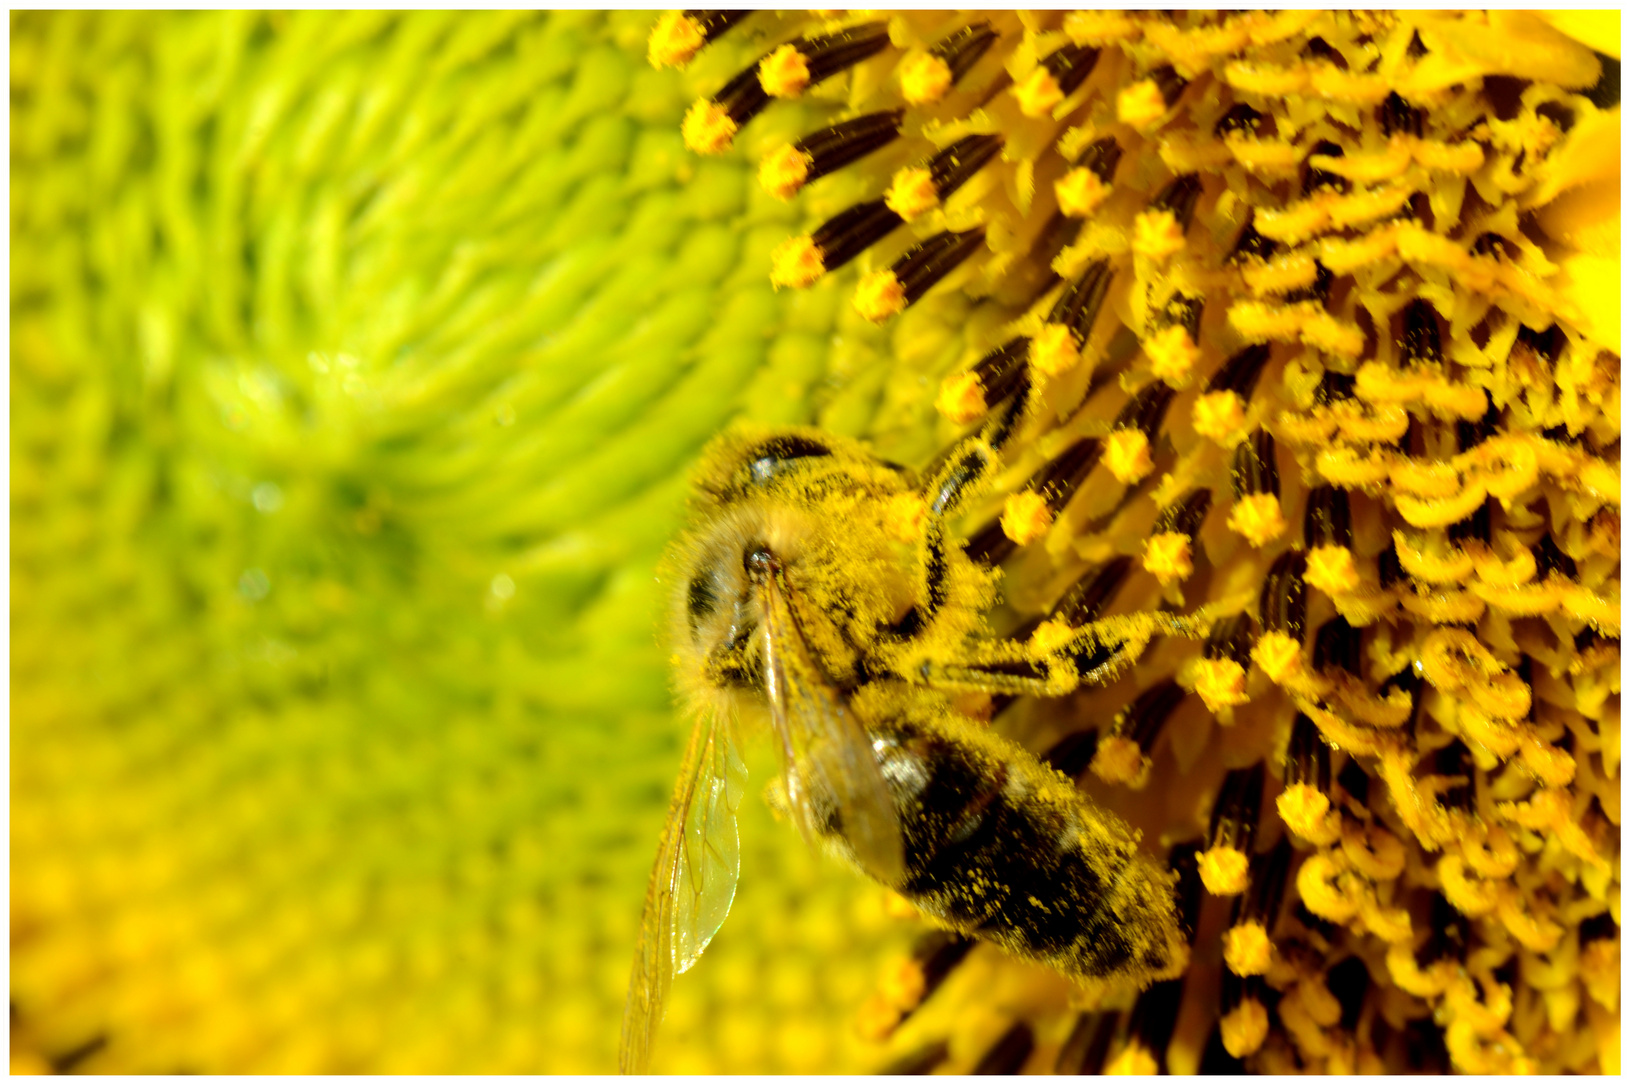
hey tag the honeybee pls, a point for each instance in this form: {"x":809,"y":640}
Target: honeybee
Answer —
{"x":820,"y":586}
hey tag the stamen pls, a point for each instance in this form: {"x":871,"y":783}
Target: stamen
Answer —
{"x":1143,"y":104}
{"x":1152,"y":1021}
{"x":1337,"y":644}
{"x":1335,"y":386}
{"x":1317,"y":179}
{"x":1219,"y":413}
{"x":711,"y":124}
{"x":1172,"y":348}
{"x":968,"y":395}
{"x":990,"y":546}
{"x":1084,"y":1053}
{"x":1420,"y":337}
{"x":1128,"y":453}
{"x":785,"y":171}
{"x":1222,"y":674}
{"x":927,"y":77}
{"x":1398,"y":117}
{"x":1057,"y":76}
{"x":1183,"y":860}
{"x":679,"y":35}
{"x":802,"y":260}
{"x":1073,"y":754}
{"x":885,"y":293}
{"x":1006,"y":1057}
{"x":1086,"y":598}
{"x":1246,"y":944}
{"x":1304,"y":803}
{"x":1545,"y":346}
{"x":1244,"y":1022}
{"x":1225,"y":865}
{"x":1168,"y":555}
{"x":1241,"y":119}
{"x":1080,"y":303}
{"x":1282,"y":596}
{"x":1160,"y":230}
{"x":1390,"y":573}
{"x":1327,"y":518}
{"x":1348,"y":980}
{"x":916,"y":190}
{"x":1257,"y":511}
{"x":1449,"y":934}
{"x":793,"y":67}
{"x":1125,"y":754}
{"x":1030,"y":513}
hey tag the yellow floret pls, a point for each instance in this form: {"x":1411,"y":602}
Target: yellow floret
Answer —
{"x":1168,"y":557}
{"x":708,"y":128}
{"x":1142,"y":104}
{"x":1257,"y":518}
{"x":1171,"y":355}
{"x":675,"y":40}
{"x":879,"y":296}
{"x":1080,"y":192}
{"x":784,"y":171}
{"x":797,"y":263}
{"x":924,"y":79}
{"x":1158,"y":235}
{"x":912,"y":193}
{"x":1224,"y":870}
{"x":783,"y":73}
{"x":1038,"y":94}
{"x":1054,"y":349}
{"x":1127,"y":455}
{"x":1026,"y":517}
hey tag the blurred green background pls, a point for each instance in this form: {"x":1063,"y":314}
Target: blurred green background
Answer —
{"x":356,"y":362}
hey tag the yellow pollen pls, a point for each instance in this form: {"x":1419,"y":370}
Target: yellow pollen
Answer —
{"x":1127,"y":455}
{"x":1221,"y":683}
{"x":784,"y":171}
{"x":960,"y":397}
{"x":1220,"y":416}
{"x":675,"y":40}
{"x":924,"y":79}
{"x":1168,"y":557}
{"x":1224,"y":870}
{"x":1054,"y":349}
{"x":1120,"y":761}
{"x":708,"y":128}
{"x":1050,"y":636}
{"x":1305,"y":811}
{"x":783,"y":73}
{"x":879,"y":296}
{"x":1243,"y":1030}
{"x":1133,"y":1060}
{"x":1171,"y":354}
{"x":1080,"y":192}
{"x":1331,"y":569}
{"x":1257,"y":518}
{"x":905,"y":518}
{"x":913,"y":193}
{"x":1248,"y":948}
{"x":1026,"y":517}
{"x":1157,"y":235}
{"x":1038,"y":94}
{"x":1278,"y":656}
{"x":1141,"y":104}
{"x":797,"y":263}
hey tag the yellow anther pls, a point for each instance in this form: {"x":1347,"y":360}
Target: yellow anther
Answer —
{"x":784,"y":170}
{"x":1038,"y":94}
{"x":797,"y":263}
{"x":1247,"y":948}
{"x":1224,"y":870}
{"x":1257,"y":518}
{"x":708,"y":128}
{"x":1128,"y":455}
{"x":1168,"y":557}
{"x":1332,"y":570}
{"x":879,"y":296}
{"x":924,"y":79}
{"x":675,"y":40}
{"x":1142,"y":104}
{"x":1171,"y":355}
{"x":1221,"y":682}
{"x":1220,"y":416}
{"x":1054,"y":349}
{"x":1027,"y":517}
{"x":913,"y":193}
{"x":783,"y":73}
{"x":1080,"y":192}
{"x":1157,"y":235}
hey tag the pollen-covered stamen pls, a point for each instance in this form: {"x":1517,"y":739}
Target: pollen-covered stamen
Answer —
{"x":1084,"y":1052}
{"x":1007,"y":1056}
{"x":785,"y":171}
{"x":1455,"y":760}
{"x":1073,"y":753}
{"x":1084,"y":187}
{"x":1030,"y":513}
{"x":927,"y":77}
{"x":1128,"y":452}
{"x":1220,"y":412}
{"x":1221,"y":675}
{"x":793,"y":67}
{"x":1316,"y":292}
{"x":1338,"y":644}
{"x":1450,"y":934}
{"x":679,"y":35}
{"x":802,"y":260}
{"x":1348,"y":980}
{"x":1224,"y":867}
{"x":1282,"y":596}
{"x":1125,"y":755}
{"x":1247,"y":943}
{"x":1551,"y":561}
{"x":1257,"y":510}
{"x":1160,"y":230}
{"x":1335,"y":386}
{"x":1056,"y":76}
{"x":918,"y":189}
{"x":1071,"y":320}
{"x":1183,"y":860}
{"x":1317,"y":179}
{"x":883,"y":294}
{"x":1244,"y":1021}
{"x":1142,"y":104}
{"x":1305,"y":804}
{"x":1152,"y":1024}
{"x":1330,"y":564}
{"x":1240,"y":119}
{"x":969,"y":395}
{"x":1475,"y":527}
{"x":711,"y":123}
{"x":1397,"y":116}
{"x":1420,"y":334}
{"x":1251,"y":246}
{"x":1168,"y":555}
{"x":1172,"y":346}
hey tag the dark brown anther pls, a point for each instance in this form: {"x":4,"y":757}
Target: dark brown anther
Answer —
{"x":1183,"y":311}
{"x":1420,"y":337}
{"x":1059,"y":232}
{"x":1316,"y":179}
{"x":1471,"y":433}
{"x":1600,"y":927}
{"x":1189,"y":892}
{"x":1186,"y":516}
{"x":1407,"y":681}
{"x":1545,"y":345}
{"x":964,"y":48}
{"x":1335,"y":386}
{"x":1477,"y":526}
{"x":1398,"y":117}
{"x":1070,"y":66}
{"x":919,"y":1063}
{"x":938,"y":953}
{"x":1449,"y":934}
{"x":1254,"y":466}
{"x":1241,"y":371}
{"x":1250,"y":246}
{"x":1085,"y":1051}
{"x":929,"y":262}
{"x":1606,"y":93}
{"x":1315,"y":923}
{"x":959,"y":472}
{"x":1086,"y":598}
{"x":990,"y":546}
{"x":1102,"y":158}
{"x":1338,"y":644}
{"x":1307,"y":761}
{"x":1006,"y":1057}
{"x":1081,"y":302}
{"x":1390,"y":573}
{"x":1234,"y":989}
{"x":742,"y":97}
{"x":1231,"y":639}
{"x":832,"y":54}
{"x":1317,"y":291}
{"x":1170,"y":85}
{"x":854,"y":229}
{"x":958,"y":162}
{"x":834,"y":147}
{"x":1491,"y":245}
{"x":1241,"y":118}
{"x":1146,"y":410}
{"x":1268,"y":879}
{"x":1318,"y":49}
{"x":1004,"y":424}
{"x":1454,"y":759}
{"x":1000,"y":372}
{"x":1355,"y":781}
{"x":1216,"y":1059}
{"x":1349,"y":980}
{"x":1282,"y":596}
{"x":1552,"y":561}
{"x":1059,"y":478}
{"x":1416,"y":49}
{"x":1152,"y":1020}
{"x":1237,"y":810}
{"x":1072,"y":754}
{"x":714,"y":24}
{"x":1327,"y":518}
{"x":1179,"y":197}
{"x":1142,"y":721}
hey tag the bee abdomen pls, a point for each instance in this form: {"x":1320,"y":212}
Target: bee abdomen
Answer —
{"x":1004,"y":848}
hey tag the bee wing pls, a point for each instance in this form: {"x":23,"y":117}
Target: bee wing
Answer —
{"x":692,"y":886}
{"x":824,"y":747}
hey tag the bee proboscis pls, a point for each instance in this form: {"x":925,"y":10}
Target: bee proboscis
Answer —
{"x":818,"y":586}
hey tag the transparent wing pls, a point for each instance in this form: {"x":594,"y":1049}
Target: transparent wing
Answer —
{"x":823,"y":747}
{"x":696,"y":869}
